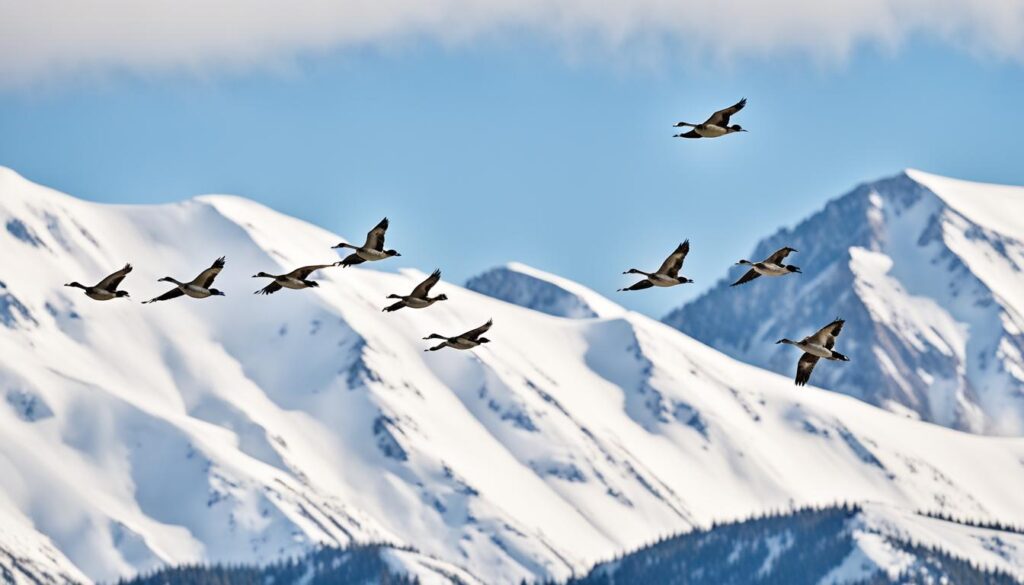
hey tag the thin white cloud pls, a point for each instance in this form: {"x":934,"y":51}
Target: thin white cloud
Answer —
{"x":42,"y":40}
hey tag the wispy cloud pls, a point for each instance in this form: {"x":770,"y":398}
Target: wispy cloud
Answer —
{"x":42,"y":40}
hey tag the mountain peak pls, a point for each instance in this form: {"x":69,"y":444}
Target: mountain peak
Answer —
{"x":927,"y":271}
{"x":535,"y":289}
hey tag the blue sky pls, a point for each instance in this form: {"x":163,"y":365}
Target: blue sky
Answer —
{"x":489,"y":152}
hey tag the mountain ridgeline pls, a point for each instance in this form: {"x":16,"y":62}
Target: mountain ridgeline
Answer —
{"x":927,"y":272}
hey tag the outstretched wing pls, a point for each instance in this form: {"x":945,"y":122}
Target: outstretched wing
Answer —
{"x":779,"y":256}
{"x":270,"y":289}
{"x":110,"y":283}
{"x":171,"y":294}
{"x":423,"y":289}
{"x":721,"y":117}
{"x":804,"y":368}
{"x":305,"y":271}
{"x":690,"y":134}
{"x":394,"y":307}
{"x":826,"y":336}
{"x":206,"y":277}
{"x":674,"y":262}
{"x":750,"y":275}
{"x":352,"y":260}
{"x":375,"y":237}
{"x":638,"y":286}
{"x":478,"y":331}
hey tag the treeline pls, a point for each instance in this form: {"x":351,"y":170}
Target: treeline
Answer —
{"x":792,"y":547}
{"x":326,"y":566}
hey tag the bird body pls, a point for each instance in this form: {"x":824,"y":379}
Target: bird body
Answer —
{"x":106,"y":289}
{"x":199,"y":288}
{"x":771,"y":266}
{"x":815,"y":347}
{"x":467,"y":340}
{"x":372,"y":250}
{"x":296,"y":279}
{"x":716,"y":125}
{"x":667,"y":275}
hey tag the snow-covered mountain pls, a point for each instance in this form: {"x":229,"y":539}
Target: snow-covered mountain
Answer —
{"x":246,"y":428}
{"x":929,"y":274}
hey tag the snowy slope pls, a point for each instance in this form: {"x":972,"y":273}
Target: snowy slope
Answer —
{"x":928,"y":272}
{"x":244,"y":428}
{"x":541,"y":291}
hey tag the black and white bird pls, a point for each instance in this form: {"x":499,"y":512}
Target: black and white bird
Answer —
{"x":770,"y":266}
{"x":420,"y":297}
{"x":198,"y":288}
{"x":106,"y":289}
{"x":816,"y":347}
{"x":372,"y":250}
{"x":467,"y":340}
{"x":667,"y":275}
{"x":296,"y":279}
{"x":715,"y":126}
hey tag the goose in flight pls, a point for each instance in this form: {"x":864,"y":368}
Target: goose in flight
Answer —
{"x":815,"y":347}
{"x":106,"y":289}
{"x":467,"y":340}
{"x":420,"y":297}
{"x":715,"y":126}
{"x":199,"y":288}
{"x":296,"y":279}
{"x":667,"y":275}
{"x":770,"y":266}
{"x":372,"y":250}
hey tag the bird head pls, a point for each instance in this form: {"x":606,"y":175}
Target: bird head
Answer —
{"x":217,"y":293}
{"x":392,"y":252}
{"x":121,"y":294}
{"x":442,"y":297}
{"x":792,"y":268}
{"x":737,"y":128}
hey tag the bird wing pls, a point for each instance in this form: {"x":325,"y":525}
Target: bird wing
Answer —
{"x":721,"y":117}
{"x":423,"y":289}
{"x":305,"y":271}
{"x":375,"y":237}
{"x":804,"y":368}
{"x":690,"y":134}
{"x":750,"y":275}
{"x":205,"y":278}
{"x":352,"y":260}
{"x":478,"y":331}
{"x":826,"y":336}
{"x":110,"y":283}
{"x":674,"y":262}
{"x":779,"y":256}
{"x":171,"y":294}
{"x":270,"y":289}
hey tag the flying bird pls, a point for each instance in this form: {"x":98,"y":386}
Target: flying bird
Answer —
{"x":106,"y":289}
{"x":372,"y":250}
{"x":815,"y":347}
{"x":420,"y":297}
{"x":715,"y":126}
{"x":296,"y":279}
{"x":467,"y":340}
{"x":198,"y":288}
{"x":667,"y":275}
{"x":771,"y":266}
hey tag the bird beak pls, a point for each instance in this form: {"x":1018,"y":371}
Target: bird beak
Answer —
{"x":744,"y":130}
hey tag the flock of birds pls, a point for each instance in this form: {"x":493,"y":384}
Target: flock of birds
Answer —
{"x":814,"y":347}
